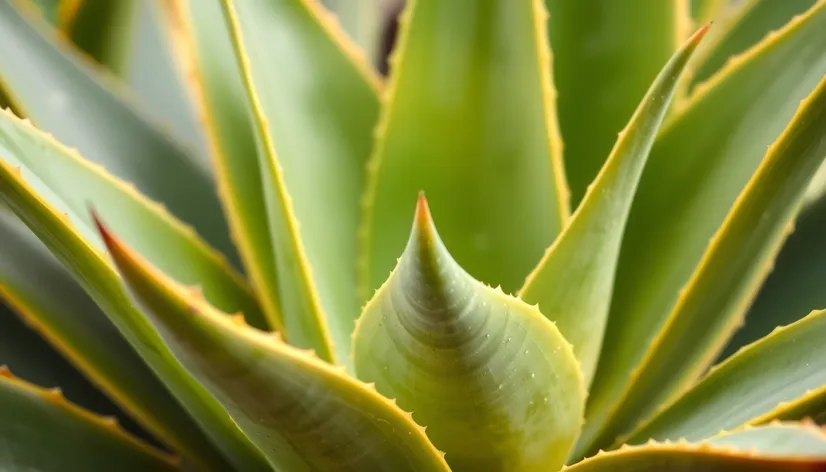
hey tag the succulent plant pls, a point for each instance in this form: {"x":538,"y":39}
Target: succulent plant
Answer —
{"x":235,"y":312}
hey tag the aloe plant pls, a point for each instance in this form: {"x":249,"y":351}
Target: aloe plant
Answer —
{"x":235,"y":313}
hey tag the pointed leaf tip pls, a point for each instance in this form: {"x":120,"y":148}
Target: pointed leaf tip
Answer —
{"x":423,"y":217}
{"x":279,"y":382}
{"x":491,"y":378}
{"x":104,"y":232}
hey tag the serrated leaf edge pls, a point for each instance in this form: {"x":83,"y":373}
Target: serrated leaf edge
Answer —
{"x":181,"y":34}
{"x":110,"y":424}
{"x":26,"y":314}
{"x":738,"y":61}
{"x":787,"y":406}
{"x":129,"y":189}
{"x":549,"y":94}
{"x":683,"y":445}
{"x":283,"y":197}
{"x":236,"y":324}
{"x":97,"y":254}
{"x":739,"y":313}
{"x":722,"y":365}
{"x":388,"y":98}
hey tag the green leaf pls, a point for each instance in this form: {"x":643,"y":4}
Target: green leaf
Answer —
{"x":782,"y":439}
{"x":702,"y":159}
{"x":606,"y":54}
{"x":316,"y":137}
{"x":43,"y":432}
{"x":776,"y":448}
{"x":753,"y":22}
{"x":159,"y":80}
{"x":470,"y":120}
{"x":811,"y":405}
{"x":101,"y":281}
{"x":747,"y":387}
{"x":795,"y":286}
{"x":25,"y":351}
{"x":84,"y":108}
{"x":573,"y":282}
{"x":203,"y":47}
{"x":494,"y":381}
{"x":70,"y":183}
{"x":713,"y":303}
{"x":302,"y":413}
{"x":65,"y":316}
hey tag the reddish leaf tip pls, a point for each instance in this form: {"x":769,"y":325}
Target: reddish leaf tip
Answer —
{"x":423,"y":217}
{"x":698,"y":35}
{"x":104,"y":232}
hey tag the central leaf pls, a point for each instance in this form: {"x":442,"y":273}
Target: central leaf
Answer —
{"x":493,"y":380}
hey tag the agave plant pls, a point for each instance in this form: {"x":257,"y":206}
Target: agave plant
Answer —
{"x":233,"y":311}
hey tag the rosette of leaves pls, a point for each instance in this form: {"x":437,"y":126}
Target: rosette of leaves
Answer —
{"x":262,"y":291}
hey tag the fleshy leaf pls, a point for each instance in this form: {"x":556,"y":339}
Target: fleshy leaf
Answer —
{"x":204,"y":50}
{"x":606,"y":54}
{"x":101,"y":281}
{"x":469,"y":119}
{"x":703,"y":157}
{"x":494,"y":381}
{"x":43,"y":292}
{"x":314,"y":106}
{"x":70,"y":183}
{"x":712,"y":306}
{"x":795,"y":285}
{"x":573,"y":282}
{"x":25,"y":351}
{"x":776,"y":448}
{"x":42,"y":432}
{"x":789,"y":439}
{"x":745,"y":389}
{"x":752,"y":22}
{"x":301,"y":412}
{"x":84,"y":108}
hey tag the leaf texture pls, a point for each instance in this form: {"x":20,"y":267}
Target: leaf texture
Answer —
{"x":301,"y":412}
{"x":747,"y":387}
{"x":70,"y":183}
{"x":700,"y":162}
{"x":314,"y":105}
{"x":76,"y":439}
{"x":494,"y":381}
{"x":65,"y":316}
{"x":573,"y":282}
{"x":469,"y":119}
{"x":713,"y":303}
{"x":778,"y":448}
{"x":606,"y":54}
{"x":84,"y":108}
{"x":101,"y":281}
{"x":203,"y":48}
